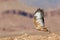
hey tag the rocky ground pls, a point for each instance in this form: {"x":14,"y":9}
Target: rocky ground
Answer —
{"x":16,"y":22}
{"x":26,"y":36}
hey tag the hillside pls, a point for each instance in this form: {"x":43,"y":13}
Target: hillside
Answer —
{"x":17,"y":18}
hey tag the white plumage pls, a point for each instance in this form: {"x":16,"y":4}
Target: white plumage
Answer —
{"x":39,"y":18}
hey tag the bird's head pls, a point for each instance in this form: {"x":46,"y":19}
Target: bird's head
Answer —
{"x":44,"y":29}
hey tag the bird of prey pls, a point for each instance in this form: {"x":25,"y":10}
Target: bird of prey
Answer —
{"x":39,"y":20}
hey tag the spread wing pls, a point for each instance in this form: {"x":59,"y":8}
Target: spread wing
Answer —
{"x":39,"y":14}
{"x":39,"y":20}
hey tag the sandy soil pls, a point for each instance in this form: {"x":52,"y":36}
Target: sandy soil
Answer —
{"x":13,"y":23}
{"x":26,"y":36}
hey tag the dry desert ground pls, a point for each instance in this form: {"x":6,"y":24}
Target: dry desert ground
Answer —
{"x":16,"y":22}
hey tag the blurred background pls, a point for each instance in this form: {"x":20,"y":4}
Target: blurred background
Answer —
{"x":16,"y":16}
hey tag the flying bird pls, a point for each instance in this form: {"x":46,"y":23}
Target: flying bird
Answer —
{"x":39,"y":20}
